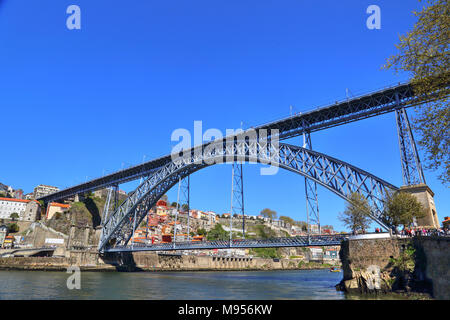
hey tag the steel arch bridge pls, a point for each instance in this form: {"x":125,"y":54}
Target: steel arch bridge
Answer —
{"x":337,"y":176}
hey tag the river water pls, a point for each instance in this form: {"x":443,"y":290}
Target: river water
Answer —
{"x":239,"y":285}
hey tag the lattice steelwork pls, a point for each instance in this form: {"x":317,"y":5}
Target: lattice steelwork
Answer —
{"x":335,"y":175}
{"x":107,"y":206}
{"x":362,"y":107}
{"x":185,"y":199}
{"x":411,"y":166}
{"x":299,"y":241}
{"x":237,"y":194}
{"x":312,"y":202}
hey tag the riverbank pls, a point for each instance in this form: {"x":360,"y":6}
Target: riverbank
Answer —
{"x":142,"y":261}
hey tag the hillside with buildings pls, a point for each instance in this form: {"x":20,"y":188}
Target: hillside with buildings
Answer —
{"x":75,"y":224}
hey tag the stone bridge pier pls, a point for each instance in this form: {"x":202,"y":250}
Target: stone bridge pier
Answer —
{"x":425,"y":196}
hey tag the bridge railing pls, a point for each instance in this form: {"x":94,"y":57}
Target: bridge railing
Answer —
{"x":297,"y":241}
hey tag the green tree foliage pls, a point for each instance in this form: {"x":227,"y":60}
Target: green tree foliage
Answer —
{"x":185,"y":207}
{"x":174,"y":204}
{"x":267,"y":252}
{"x":356,"y":213}
{"x":424,"y":53}
{"x":201,"y":232}
{"x":13,"y":227}
{"x":405,"y":262}
{"x":303,"y":225}
{"x":401,"y":208}
{"x":143,"y":223}
{"x":268,"y":213}
{"x":218,"y":233}
{"x":14,"y":216}
{"x":264,"y":232}
{"x":287,"y":220}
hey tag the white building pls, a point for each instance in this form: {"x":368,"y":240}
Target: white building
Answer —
{"x":316,"y":253}
{"x":43,"y":190}
{"x":314,"y":228}
{"x":26,"y":209}
{"x":212,"y":217}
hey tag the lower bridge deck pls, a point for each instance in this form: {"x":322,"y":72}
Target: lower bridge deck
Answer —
{"x":299,"y":241}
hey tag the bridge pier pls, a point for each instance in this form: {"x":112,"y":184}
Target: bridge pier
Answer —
{"x":425,"y":196}
{"x":312,"y":202}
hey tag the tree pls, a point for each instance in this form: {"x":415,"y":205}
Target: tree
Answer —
{"x":303,"y":225}
{"x":402,"y":208}
{"x":201,"y":232}
{"x":218,"y":233}
{"x":269,"y":213}
{"x":356,"y":214}
{"x":424,"y":52}
{"x":13,"y":227}
{"x":14,"y":216}
{"x":185,"y":207}
{"x":287,"y":220}
{"x":174,"y":204}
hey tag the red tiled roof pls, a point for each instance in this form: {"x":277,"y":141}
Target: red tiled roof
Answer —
{"x":55,"y":204}
{"x":17,"y":200}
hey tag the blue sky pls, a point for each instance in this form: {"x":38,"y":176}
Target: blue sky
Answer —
{"x":76,"y":104}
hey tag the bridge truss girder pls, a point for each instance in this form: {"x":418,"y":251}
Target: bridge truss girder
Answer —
{"x":342,"y":112}
{"x":299,"y":241}
{"x":333,"y":174}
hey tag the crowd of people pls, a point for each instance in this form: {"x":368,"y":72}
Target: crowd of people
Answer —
{"x":411,"y":232}
{"x":420,"y":231}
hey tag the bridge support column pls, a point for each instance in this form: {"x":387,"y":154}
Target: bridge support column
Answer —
{"x":71,"y":236}
{"x":425,"y":196}
{"x":411,"y":166}
{"x":80,"y":197}
{"x":106,"y":208}
{"x":185,"y":199}
{"x":86,"y":236}
{"x":312,"y":202}
{"x":237,"y":194}
{"x":412,"y":171}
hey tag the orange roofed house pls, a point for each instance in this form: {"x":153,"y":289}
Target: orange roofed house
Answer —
{"x":55,"y":207}
{"x":446,"y":222}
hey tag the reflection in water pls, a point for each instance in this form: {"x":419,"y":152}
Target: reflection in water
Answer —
{"x":239,"y":285}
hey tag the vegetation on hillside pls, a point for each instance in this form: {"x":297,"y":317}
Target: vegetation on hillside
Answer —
{"x":218,"y":233}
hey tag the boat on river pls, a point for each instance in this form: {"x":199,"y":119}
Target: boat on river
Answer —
{"x":335,"y":269}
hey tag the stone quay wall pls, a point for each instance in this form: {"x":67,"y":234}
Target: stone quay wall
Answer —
{"x":144,"y":261}
{"x":147,"y":261}
{"x":410,"y":265}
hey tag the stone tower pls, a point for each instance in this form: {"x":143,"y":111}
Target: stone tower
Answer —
{"x":425,"y":196}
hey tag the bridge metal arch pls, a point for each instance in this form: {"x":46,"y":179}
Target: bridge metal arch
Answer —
{"x":337,"y":176}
